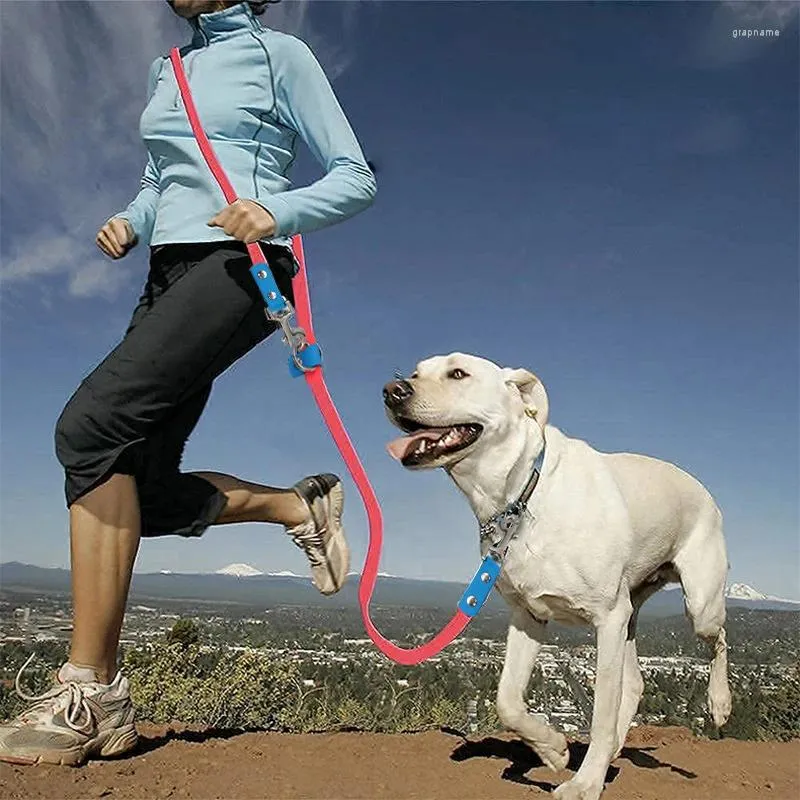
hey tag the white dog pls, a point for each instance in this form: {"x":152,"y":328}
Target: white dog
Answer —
{"x":599,"y":535}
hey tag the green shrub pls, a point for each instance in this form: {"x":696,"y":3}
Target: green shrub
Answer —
{"x":225,"y":689}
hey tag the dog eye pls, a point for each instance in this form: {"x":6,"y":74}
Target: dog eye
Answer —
{"x":414,"y":374}
{"x":457,"y":374}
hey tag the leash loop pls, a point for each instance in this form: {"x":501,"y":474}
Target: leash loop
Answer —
{"x":306,"y":360}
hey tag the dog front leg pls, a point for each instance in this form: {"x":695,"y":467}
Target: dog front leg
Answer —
{"x":588,"y":781}
{"x":525,"y":635}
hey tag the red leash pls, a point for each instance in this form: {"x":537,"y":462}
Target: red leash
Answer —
{"x":483,"y":581}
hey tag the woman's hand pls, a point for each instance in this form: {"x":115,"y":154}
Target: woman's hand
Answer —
{"x":116,"y":237}
{"x":246,"y":221}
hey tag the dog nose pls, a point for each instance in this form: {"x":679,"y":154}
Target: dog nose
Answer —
{"x":396,"y":392}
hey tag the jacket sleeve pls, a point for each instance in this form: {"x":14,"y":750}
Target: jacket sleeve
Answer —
{"x":306,"y":102}
{"x":141,"y":212}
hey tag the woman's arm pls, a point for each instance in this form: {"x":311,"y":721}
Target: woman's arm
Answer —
{"x":141,"y":212}
{"x":306,"y":103}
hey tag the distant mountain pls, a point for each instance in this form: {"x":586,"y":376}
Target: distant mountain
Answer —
{"x":783,"y":600}
{"x":239,"y":571}
{"x":380,"y":574}
{"x":741,"y":591}
{"x":265,"y":591}
{"x":235,"y":584}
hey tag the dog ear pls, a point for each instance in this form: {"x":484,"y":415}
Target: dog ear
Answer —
{"x":533,"y":393}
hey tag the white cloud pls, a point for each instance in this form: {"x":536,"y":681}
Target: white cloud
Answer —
{"x":51,"y":255}
{"x":72,"y":87}
{"x":762,"y":13}
{"x":44,"y":256}
{"x":97,"y":277}
{"x":718,"y":47}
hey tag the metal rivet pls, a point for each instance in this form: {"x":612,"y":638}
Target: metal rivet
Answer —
{"x":485,"y":577}
{"x":272,"y":295}
{"x":262,"y":274}
{"x":472,"y":601}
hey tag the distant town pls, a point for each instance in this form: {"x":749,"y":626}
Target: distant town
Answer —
{"x":324,"y":650}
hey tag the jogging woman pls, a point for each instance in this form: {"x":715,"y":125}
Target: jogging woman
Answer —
{"x":121,"y":436}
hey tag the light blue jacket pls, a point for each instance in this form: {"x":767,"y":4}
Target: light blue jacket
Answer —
{"x":256,"y":90}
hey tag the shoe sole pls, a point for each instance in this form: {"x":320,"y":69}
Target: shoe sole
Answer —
{"x":105,"y":745}
{"x":336,"y":499}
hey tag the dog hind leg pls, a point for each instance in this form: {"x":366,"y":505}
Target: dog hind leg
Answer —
{"x":632,"y":691}
{"x":632,"y":681}
{"x":525,"y":636}
{"x":632,"y":685}
{"x":703,"y":568}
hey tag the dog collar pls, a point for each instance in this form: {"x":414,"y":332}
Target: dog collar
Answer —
{"x":500,"y":529}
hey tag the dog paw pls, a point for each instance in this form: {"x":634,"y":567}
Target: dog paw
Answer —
{"x":554,"y":757}
{"x":719,"y":702}
{"x":577,"y":790}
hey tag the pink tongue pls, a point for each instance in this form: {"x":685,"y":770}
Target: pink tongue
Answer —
{"x":399,"y":447}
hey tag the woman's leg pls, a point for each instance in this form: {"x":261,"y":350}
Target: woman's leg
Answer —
{"x":104,"y":538}
{"x":205,"y":313}
{"x":252,"y":502}
{"x":122,"y":437}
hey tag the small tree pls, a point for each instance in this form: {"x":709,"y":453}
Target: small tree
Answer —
{"x":779,"y":716}
{"x":184,"y":632}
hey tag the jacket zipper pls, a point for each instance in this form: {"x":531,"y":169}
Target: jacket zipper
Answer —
{"x":189,"y":64}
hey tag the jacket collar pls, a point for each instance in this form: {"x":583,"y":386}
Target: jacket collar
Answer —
{"x":223,"y":24}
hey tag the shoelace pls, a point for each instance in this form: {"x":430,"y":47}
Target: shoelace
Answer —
{"x":312,"y":543}
{"x":75,"y":707}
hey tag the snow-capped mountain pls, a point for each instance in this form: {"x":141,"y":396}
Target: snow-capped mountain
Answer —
{"x":380,"y":575}
{"x":271,"y":591}
{"x":741,"y":591}
{"x":284,"y":573}
{"x":239,"y":571}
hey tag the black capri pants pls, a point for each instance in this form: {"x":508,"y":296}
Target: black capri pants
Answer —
{"x":199,"y":313}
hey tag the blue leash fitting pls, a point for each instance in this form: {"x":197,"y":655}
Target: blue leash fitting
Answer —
{"x":305,"y":356}
{"x":498,"y":531}
{"x":480,"y":587}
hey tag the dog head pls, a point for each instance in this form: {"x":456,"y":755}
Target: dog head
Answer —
{"x":456,"y":406}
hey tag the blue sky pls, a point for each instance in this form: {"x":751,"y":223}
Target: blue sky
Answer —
{"x":605,"y":194}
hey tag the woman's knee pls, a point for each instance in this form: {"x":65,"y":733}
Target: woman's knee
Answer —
{"x":92,"y":444}
{"x":88,"y":431}
{"x":69,"y":431}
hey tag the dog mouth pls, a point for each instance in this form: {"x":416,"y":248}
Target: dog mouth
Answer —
{"x":425,"y":445}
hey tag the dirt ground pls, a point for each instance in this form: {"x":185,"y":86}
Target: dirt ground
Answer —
{"x":657,"y":764}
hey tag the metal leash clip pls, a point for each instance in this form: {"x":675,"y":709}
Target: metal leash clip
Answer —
{"x":501,"y":529}
{"x":294,"y":337}
{"x":505,"y":524}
